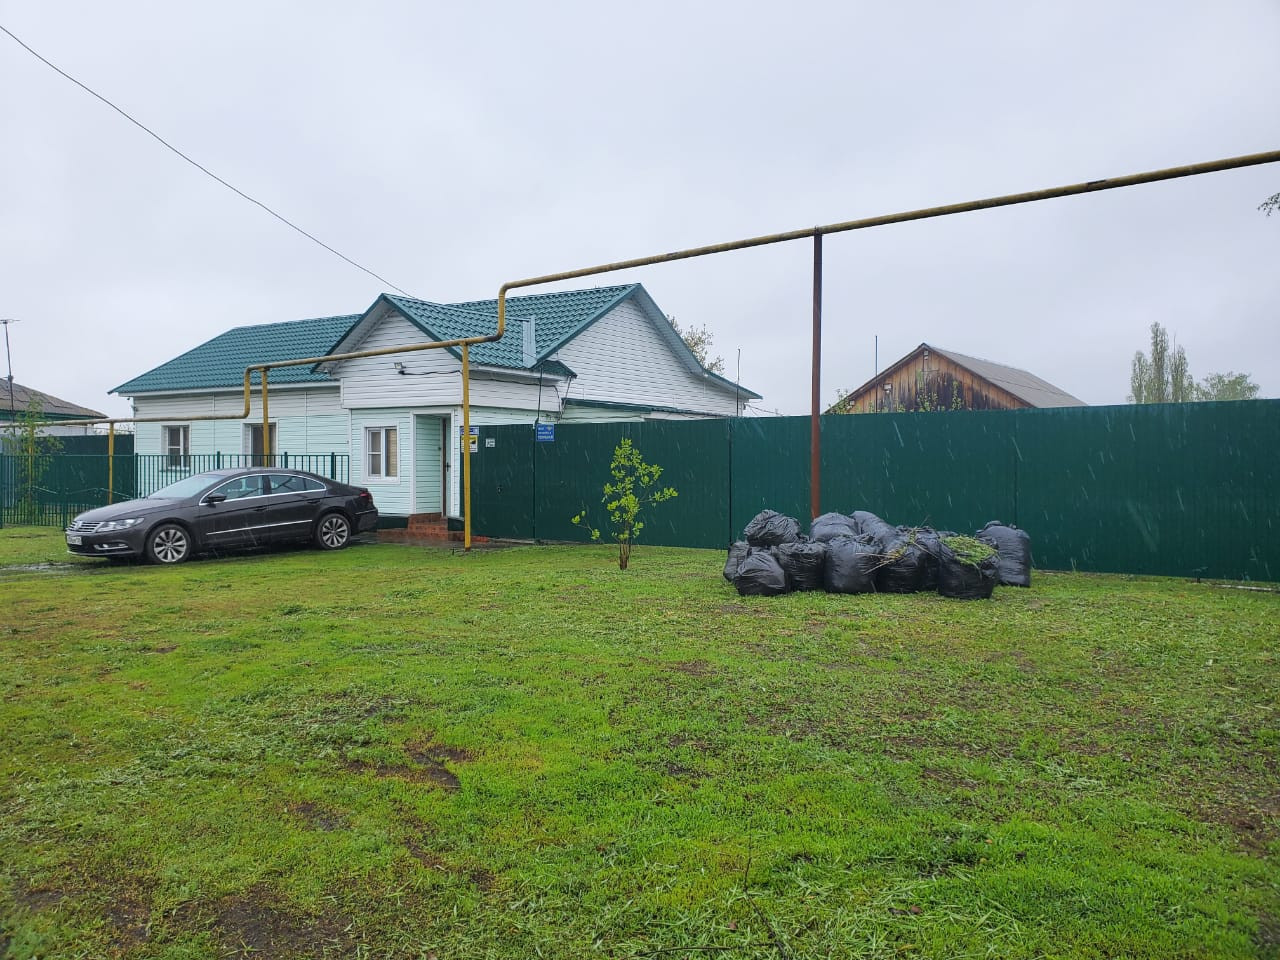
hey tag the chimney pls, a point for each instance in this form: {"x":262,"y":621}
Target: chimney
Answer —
{"x":529,"y":346}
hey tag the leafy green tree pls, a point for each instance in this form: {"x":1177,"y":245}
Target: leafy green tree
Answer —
{"x":634,"y":486}
{"x":1163,"y":376}
{"x":1227,"y":386}
{"x":698,"y":340}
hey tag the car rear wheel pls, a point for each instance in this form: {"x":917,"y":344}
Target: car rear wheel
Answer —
{"x":168,"y":543}
{"x":333,"y":532}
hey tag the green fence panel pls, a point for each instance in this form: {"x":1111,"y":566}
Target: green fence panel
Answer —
{"x":503,"y":480}
{"x":1173,"y":489}
{"x":1177,"y":489}
{"x":950,"y":471}
{"x":770,"y":468}
{"x":571,"y":473}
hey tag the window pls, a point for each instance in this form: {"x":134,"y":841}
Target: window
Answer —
{"x":177,"y":447}
{"x":241,"y":487}
{"x":257,"y":455}
{"x":382,"y":452}
{"x":290,"y":483}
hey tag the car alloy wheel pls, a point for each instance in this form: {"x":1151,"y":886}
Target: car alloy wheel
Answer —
{"x":169,"y":544}
{"x":334,"y":532}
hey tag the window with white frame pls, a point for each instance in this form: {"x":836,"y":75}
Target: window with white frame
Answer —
{"x":382,"y":453}
{"x":177,"y":446}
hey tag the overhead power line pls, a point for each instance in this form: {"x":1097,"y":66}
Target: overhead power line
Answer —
{"x":203,"y":169}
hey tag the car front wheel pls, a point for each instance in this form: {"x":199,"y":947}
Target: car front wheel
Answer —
{"x":333,"y":532}
{"x":168,"y":543}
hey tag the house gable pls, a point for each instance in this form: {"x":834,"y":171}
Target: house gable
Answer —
{"x":931,"y":378}
{"x":625,"y":357}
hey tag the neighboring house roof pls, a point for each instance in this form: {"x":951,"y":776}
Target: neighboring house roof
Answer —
{"x":221,"y":361}
{"x":1024,"y":385}
{"x":557,"y":318}
{"x":51,"y":407}
{"x":1021,"y":383}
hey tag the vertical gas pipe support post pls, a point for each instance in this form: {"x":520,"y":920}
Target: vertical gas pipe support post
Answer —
{"x":466,"y":447}
{"x":111,"y":460}
{"x":266,"y":422}
{"x":815,"y":401}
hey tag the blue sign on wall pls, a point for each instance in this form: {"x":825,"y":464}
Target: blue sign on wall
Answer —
{"x":545,"y":433}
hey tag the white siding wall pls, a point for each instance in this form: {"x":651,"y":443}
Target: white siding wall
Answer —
{"x":308,"y":421}
{"x":434,"y":376}
{"x":621,"y":358}
{"x":391,"y":495}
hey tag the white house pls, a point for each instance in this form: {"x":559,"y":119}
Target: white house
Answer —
{"x":607,"y":353}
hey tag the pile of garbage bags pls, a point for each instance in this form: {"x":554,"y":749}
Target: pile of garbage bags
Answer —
{"x":861,"y":553}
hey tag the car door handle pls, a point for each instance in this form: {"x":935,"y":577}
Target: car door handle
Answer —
{"x":259,"y":509}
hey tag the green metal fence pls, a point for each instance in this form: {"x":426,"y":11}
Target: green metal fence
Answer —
{"x":50,"y":489}
{"x":1176,"y":489}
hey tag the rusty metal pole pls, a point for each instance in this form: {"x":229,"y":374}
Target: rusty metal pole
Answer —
{"x":815,"y":375}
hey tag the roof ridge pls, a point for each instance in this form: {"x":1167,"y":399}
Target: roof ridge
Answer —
{"x":285,"y":323}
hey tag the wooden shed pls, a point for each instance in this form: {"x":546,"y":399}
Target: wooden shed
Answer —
{"x":931,"y":378}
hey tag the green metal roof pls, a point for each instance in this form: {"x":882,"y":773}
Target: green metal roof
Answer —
{"x":558,"y":317}
{"x":221,"y":361}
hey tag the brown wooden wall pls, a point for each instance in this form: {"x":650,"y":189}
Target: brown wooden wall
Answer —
{"x":936,"y":383}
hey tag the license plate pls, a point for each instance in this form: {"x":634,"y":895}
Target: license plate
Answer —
{"x":73,"y":540}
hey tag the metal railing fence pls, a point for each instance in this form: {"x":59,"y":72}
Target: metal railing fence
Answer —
{"x":48,"y":490}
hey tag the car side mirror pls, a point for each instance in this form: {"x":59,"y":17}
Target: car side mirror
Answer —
{"x":214,"y":498}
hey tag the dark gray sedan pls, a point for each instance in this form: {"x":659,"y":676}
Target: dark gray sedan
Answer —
{"x":226,"y":509}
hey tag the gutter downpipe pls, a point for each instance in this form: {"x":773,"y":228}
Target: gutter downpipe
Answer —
{"x":924,"y":213}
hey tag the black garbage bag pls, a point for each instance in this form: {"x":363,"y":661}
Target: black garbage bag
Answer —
{"x":768,"y":528}
{"x":902,"y":564}
{"x":931,"y":548}
{"x":870,"y":524}
{"x":760,"y":576}
{"x":738,"y":552}
{"x":1015,"y":552}
{"x":963,"y":578}
{"x":832,"y":525}
{"x":803,"y":562}
{"x":851,"y":565}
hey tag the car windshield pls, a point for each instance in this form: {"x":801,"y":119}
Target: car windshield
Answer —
{"x":186,"y":487}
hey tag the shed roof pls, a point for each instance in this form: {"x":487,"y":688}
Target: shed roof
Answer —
{"x":54,"y":408}
{"x":1021,"y":383}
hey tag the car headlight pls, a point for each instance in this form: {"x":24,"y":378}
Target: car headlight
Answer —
{"x":112,"y":525}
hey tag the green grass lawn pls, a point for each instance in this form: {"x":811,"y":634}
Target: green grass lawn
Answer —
{"x":401,"y":752}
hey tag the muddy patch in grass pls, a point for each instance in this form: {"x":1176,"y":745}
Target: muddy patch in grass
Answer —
{"x":254,"y":924}
{"x":316,"y":816}
{"x":39,"y":898}
{"x":130,"y":922}
{"x":692,"y":668}
{"x":480,"y":877}
{"x":429,"y":765}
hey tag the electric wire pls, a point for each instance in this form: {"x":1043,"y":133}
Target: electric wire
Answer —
{"x":203,"y":169}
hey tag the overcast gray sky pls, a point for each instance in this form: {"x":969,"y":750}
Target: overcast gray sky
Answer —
{"x":451,"y":147}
